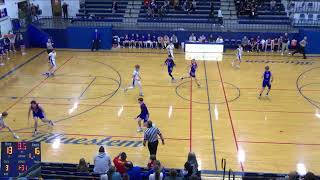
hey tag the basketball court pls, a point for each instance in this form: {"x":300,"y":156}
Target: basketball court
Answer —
{"x":222,"y":119}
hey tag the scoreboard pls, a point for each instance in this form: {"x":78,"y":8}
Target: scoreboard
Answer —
{"x":18,"y":157}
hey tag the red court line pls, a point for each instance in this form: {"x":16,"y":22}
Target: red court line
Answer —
{"x":104,"y":135}
{"x":279,"y":89}
{"x":273,"y":111}
{"x":280,"y":143}
{"x":190,"y":120}
{"x":106,"y":105}
{"x":32,"y":89}
{"x":230,"y":117}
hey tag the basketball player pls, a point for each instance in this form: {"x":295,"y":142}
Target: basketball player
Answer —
{"x":143,"y":116}
{"x":170,"y":48}
{"x":135,"y":80}
{"x":2,"y":55}
{"x":52,"y":63}
{"x":239,"y":51}
{"x":3,"y":125}
{"x":170,"y":64}
{"x":38,"y":113}
{"x":192,"y":72}
{"x":49,"y":46}
{"x":267,"y":79}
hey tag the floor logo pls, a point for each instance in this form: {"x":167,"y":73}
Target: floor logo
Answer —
{"x":295,"y":62}
{"x":105,"y":141}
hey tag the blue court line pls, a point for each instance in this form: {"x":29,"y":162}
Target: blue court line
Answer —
{"x":20,"y":65}
{"x":85,"y":90}
{"x":210,"y":115}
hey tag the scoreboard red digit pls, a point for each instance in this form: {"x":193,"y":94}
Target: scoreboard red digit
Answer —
{"x":18,"y":157}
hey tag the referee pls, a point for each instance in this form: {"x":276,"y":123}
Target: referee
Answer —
{"x":302,"y":47}
{"x":151,"y":135}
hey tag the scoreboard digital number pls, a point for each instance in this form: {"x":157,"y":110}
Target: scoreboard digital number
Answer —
{"x":18,"y":157}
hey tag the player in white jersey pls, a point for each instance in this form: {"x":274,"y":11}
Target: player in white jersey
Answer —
{"x":136,"y":80}
{"x":52,"y":63}
{"x":3,"y":125}
{"x":170,"y":48}
{"x":239,"y":51}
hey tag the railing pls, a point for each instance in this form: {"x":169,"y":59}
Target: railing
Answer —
{"x":212,"y":25}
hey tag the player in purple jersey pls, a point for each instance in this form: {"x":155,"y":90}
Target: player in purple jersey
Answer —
{"x":143,"y":116}
{"x":267,"y":79}
{"x":170,"y":64}
{"x":38,"y":113}
{"x":192,"y":72}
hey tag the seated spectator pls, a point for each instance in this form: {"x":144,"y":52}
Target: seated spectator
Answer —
{"x":211,"y":39}
{"x":148,"y":41}
{"x":263,"y":44}
{"x":152,"y":161}
{"x":244,"y":43}
{"x":157,"y":175}
{"x":173,"y":175}
{"x":187,"y":171}
{"x":256,"y":46}
{"x":102,"y":162}
{"x":116,"y":41}
{"x":268,"y":44}
{"x":174,"y":40}
{"x":219,"y":40}
{"x":125,"y":177}
{"x":114,"y":6}
{"x":160,"y":42}
{"x":104,"y":177}
{"x":220,"y":17}
{"x":273,"y":5}
{"x":275,"y":44}
{"x":154,"y":41}
{"x":144,"y":41}
{"x":120,"y":161}
{"x":192,"y":38}
{"x":138,"y":41}
{"x":202,"y":38}
{"x":250,"y":44}
{"x":95,"y":40}
{"x":126,"y":42}
{"x":192,"y":159}
{"x":82,"y":166}
{"x":166,"y":41}
{"x":134,"y":172}
{"x":310,"y":176}
{"x":132,"y":41}
{"x":112,"y":174}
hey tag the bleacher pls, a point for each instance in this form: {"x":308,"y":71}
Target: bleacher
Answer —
{"x":69,"y":171}
{"x":265,"y":15}
{"x":200,"y":15}
{"x":102,"y":10}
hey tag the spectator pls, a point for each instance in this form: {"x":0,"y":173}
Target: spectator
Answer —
{"x":114,"y":6}
{"x":151,"y":163}
{"x":292,"y":175}
{"x":160,"y":42}
{"x":65,"y":10}
{"x":219,"y":40}
{"x":285,"y":44}
{"x":102,"y":162}
{"x":12,"y":39}
{"x":192,"y":160}
{"x":120,"y":161}
{"x":82,"y":166}
{"x":275,"y":44}
{"x":126,"y":42}
{"x":220,"y":17}
{"x":192,"y":38}
{"x":154,"y":42}
{"x":21,"y":43}
{"x":174,"y":40}
{"x":166,"y":41}
{"x":157,"y":175}
{"x":263,"y":44}
{"x":310,"y":176}
{"x":125,"y":177}
{"x":134,"y":172}
{"x":202,"y":38}
{"x":149,"y":41}
{"x":302,"y":47}
{"x":188,"y":170}
{"x":173,"y":175}
{"x":272,"y":5}
{"x":132,"y":41}
{"x":211,"y":39}
{"x":151,"y":135}
{"x":194,"y":177}
{"x":268,"y":44}
{"x":95,"y":40}
{"x":257,"y":45}
{"x":138,"y":41}
{"x":104,"y":177}
{"x":244,"y":43}
{"x":112,"y":174}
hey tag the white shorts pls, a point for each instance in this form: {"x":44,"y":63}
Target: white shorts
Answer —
{"x":2,"y":124}
{"x":136,"y":83}
{"x":239,"y":57}
{"x":52,"y":63}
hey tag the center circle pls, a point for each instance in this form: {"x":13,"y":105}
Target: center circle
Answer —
{"x":215,"y":91}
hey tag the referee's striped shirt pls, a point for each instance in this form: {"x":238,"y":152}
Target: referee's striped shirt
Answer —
{"x":151,"y":134}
